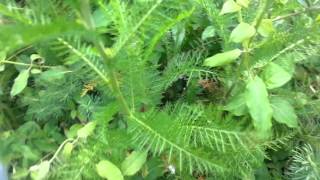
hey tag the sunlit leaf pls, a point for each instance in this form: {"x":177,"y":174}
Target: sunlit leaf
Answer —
{"x":87,"y":130}
{"x":40,"y":171}
{"x":266,"y":28}
{"x":221,"y":59}
{"x":229,"y":7}
{"x":108,"y":170}
{"x":275,"y":76}
{"x":259,"y":105}
{"x":242,"y":32}
{"x":20,"y":82}
{"x":133,"y":163}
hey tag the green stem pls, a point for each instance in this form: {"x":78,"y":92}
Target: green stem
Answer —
{"x":86,"y":13}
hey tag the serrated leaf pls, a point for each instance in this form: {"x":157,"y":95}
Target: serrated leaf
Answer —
{"x":108,"y":170}
{"x":242,"y":32}
{"x":283,"y":112}
{"x":40,"y":171}
{"x":208,"y":32}
{"x":266,"y":28}
{"x":20,"y":82}
{"x":87,"y":130}
{"x":259,"y":106}
{"x":221,"y":59}
{"x":275,"y":76}
{"x":237,"y":105}
{"x":229,"y":7}
{"x":243,"y":3}
{"x":133,"y":163}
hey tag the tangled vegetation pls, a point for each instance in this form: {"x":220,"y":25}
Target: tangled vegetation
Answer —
{"x":160,"y":89}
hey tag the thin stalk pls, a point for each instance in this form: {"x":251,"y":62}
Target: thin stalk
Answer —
{"x":24,"y":64}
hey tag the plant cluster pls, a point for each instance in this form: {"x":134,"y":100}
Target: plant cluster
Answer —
{"x":160,"y":89}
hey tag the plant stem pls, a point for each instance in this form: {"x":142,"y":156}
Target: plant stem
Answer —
{"x":87,"y":17}
{"x":25,"y":64}
{"x":296,"y":13}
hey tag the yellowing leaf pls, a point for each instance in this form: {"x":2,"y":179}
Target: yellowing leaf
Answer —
{"x":87,"y":130}
{"x":108,"y":170}
{"x":243,"y":3}
{"x":40,"y":171}
{"x":229,"y":7}
{"x":133,"y":163}
{"x":222,"y":58}
{"x":283,"y":112}
{"x":275,"y":76}
{"x":259,"y":105}
{"x":20,"y":82}
{"x":266,"y":28}
{"x":242,"y":32}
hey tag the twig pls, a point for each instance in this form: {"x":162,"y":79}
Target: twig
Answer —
{"x":296,"y":13}
{"x":25,"y":64}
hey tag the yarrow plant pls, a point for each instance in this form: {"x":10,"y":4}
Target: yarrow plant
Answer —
{"x":155,"y":89}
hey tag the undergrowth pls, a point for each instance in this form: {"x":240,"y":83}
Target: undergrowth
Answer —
{"x":155,"y":89}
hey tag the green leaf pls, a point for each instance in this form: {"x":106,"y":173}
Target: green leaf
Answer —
{"x":108,"y":170}
{"x":36,"y":71}
{"x":222,"y":58}
{"x":243,"y":3}
{"x":72,"y":133}
{"x":283,"y":112}
{"x":237,"y":105}
{"x":242,"y":32}
{"x":229,"y":7}
{"x":87,"y":130}
{"x":133,"y":163}
{"x":259,"y":105}
{"x":275,"y":76}
{"x":54,"y":74}
{"x":20,"y":82}
{"x":266,"y":28}
{"x":67,"y":149}
{"x":208,"y":32}
{"x":40,"y":171}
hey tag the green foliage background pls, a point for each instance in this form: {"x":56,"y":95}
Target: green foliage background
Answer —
{"x":160,"y":89}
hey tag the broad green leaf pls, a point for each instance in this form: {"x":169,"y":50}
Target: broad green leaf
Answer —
{"x":222,"y":58}
{"x":259,"y":105}
{"x":243,"y":3}
{"x":229,"y":7}
{"x":133,"y":163}
{"x":67,"y":149}
{"x":108,"y":170}
{"x":87,"y":130}
{"x":266,"y":28}
{"x":20,"y":82}
{"x":237,"y":105}
{"x":275,"y":76}
{"x":283,"y":112}
{"x":40,"y":171}
{"x":242,"y":32}
{"x":208,"y":32}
